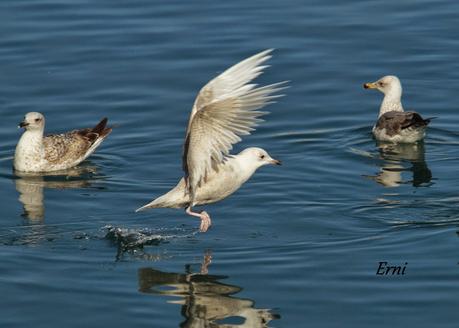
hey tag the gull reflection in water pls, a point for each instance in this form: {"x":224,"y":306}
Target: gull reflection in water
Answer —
{"x":206,"y":302}
{"x":395,"y":158}
{"x":31,"y":187}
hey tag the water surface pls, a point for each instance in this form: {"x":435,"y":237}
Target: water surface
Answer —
{"x":299,"y":244}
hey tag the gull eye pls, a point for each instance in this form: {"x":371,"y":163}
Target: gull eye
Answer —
{"x":381,"y":84}
{"x":262,"y":156}
{"x":37,"y":119}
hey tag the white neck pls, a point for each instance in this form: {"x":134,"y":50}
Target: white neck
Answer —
{"x":29,"y":150}
{"x":246,"y":167}
{"x":391,"y":102}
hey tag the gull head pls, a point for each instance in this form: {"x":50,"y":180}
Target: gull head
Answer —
{"x":389,"y":85}
{"x":258,"y":157}
{"x":33,"y":121}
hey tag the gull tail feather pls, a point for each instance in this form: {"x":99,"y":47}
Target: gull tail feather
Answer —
{"x":173,"y":199}
{"x":147,"y":206}
{"x":101,"y":128}
{"x":156,"y":203}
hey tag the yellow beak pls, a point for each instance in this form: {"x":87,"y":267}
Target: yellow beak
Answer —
{"x":370,"y":85}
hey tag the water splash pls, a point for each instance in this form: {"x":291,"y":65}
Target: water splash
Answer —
{"x":136,"y":238}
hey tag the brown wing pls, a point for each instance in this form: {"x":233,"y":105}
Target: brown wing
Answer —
{"x":70,"y":146}
{"x":394,"y":121}
{"x":60,"y":148}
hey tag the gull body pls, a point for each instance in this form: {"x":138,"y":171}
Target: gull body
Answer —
{"x":231,"y":175}
{"x":225,"y":109}
{"x":394,"y":124}
{"x":36,"y":152}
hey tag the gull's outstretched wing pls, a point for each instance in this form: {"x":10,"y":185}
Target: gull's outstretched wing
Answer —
{"x":225,"y":109}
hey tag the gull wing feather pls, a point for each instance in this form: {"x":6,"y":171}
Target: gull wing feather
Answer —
{"x":65,"y":147}
{"x":75,"y":145}
{"x":394,"y":121}
{"x":225,"y":109}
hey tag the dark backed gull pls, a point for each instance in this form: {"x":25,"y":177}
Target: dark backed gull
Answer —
{"x":394,"y":124}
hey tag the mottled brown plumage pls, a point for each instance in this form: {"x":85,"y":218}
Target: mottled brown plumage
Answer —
{"x":38,"y":153}
{"x":64,"y":147}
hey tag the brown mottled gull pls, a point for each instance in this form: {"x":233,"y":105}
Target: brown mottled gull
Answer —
{"x":394,"y":124}
{"x":225,"y":109}
{"x":38,"y":153}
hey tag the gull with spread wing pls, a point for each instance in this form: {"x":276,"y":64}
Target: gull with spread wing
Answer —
{"x":225,"y":109}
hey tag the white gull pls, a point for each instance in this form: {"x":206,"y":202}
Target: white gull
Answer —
{"x":225,"y":109}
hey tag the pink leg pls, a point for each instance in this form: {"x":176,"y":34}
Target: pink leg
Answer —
{"x":205,"y":218}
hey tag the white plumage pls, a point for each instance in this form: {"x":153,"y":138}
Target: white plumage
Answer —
{"x":225,"y":109}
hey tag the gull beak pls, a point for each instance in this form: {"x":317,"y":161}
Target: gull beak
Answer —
{"x":23,"y":124}
{"x":275,"y":162}
{"x":370,"y":85}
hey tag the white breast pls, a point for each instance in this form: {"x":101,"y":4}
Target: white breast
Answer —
{"x":29,"y":154}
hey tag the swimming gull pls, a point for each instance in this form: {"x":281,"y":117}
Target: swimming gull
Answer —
{"x":225,"y":109}
{"x":394,"y":124}
{"x":38,"y":153}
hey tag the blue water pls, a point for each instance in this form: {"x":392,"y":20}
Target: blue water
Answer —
{"x":298,"y":245}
